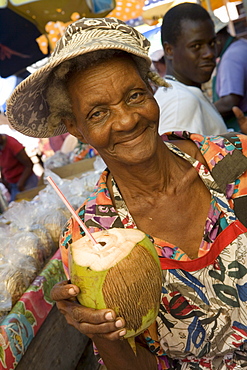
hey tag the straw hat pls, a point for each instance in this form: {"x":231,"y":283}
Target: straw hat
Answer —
{"x":27,"y":107}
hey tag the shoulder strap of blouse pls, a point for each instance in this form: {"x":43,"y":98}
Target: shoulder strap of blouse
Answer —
{"x":182,"y":154}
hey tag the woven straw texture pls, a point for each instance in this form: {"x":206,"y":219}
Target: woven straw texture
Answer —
{"x":27,"y":107}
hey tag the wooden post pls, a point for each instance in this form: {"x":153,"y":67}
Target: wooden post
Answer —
{"x":230,"y":24}
{"x":209,"y":6}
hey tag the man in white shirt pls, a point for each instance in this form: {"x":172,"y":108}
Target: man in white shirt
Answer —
{"x":188,"y":39}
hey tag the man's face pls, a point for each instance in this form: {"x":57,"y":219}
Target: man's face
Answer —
{"x":193,"y":56}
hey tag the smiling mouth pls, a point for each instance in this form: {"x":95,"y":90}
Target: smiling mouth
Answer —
{"x":134,"y":139}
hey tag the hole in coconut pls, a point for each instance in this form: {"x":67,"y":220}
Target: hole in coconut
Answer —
{"x":99,"y":246}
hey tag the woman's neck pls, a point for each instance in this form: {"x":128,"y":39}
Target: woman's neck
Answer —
{"x":162,"y":173}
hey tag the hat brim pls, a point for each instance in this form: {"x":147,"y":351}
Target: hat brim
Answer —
{"x":27,"y":108}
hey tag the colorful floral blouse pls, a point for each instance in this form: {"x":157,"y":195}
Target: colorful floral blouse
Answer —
{"x":202,"y":322}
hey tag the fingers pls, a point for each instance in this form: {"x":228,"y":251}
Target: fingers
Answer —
{"x":81,"y":313}
{"x":110,"y":330}
{"x":238,"y":112}
{"x":242,"y":119}
{"x":63,"y":290}
{"x":88,"y":321}
{"x":93,"y":322}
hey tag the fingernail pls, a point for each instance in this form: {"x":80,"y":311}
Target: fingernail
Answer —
{"x":122,"y":333}
{"x":72,"y":291}
{"x":109,"y":316}
{"x":118,"y":323}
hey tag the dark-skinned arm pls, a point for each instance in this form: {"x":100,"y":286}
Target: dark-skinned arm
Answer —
{"x":225,"y":104}
{"x":104,"y":328}
{"x":28,"y":170}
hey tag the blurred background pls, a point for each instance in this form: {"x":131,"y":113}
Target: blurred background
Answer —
{"x":30,"y":29}
{"x":30,"y":226}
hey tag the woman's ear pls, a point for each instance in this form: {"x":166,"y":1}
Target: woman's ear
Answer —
{"x":72,"y":129}
{"x":168,"y":50}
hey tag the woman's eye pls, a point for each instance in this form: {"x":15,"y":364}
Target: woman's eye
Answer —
{"x":136,"y":97}
{"x":96,"y":115}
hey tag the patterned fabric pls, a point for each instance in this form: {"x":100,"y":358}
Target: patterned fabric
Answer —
{"x":25,"y":319}
{"x":27,"y":107}
{"x":202,"y":322}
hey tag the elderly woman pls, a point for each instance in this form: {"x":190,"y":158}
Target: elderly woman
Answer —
{"x":185,"y":191}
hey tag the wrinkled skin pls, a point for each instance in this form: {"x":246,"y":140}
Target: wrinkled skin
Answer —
{"x":115,"y":112}
{"x":104,"y":328}
{"x":88,"y":321}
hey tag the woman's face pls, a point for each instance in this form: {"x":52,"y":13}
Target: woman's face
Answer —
{"x":115,"y":111}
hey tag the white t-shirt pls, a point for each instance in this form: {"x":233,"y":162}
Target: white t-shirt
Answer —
{"x":185,"y":108}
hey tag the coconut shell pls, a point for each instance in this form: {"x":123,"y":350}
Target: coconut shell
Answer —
{"x":131,"y":287}
{"x":140,"y":287}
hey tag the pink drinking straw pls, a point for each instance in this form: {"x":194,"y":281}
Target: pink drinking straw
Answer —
{"x":72,"y":211}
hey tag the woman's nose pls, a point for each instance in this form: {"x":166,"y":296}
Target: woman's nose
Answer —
{"x":125,"y":118}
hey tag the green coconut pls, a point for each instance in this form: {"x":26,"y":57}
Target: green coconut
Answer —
{"x":121,"y":272}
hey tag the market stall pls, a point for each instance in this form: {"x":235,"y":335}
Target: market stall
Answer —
{"x":30,"y":264}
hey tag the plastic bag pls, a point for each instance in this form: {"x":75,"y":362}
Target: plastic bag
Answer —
{"x":5,"y":300}
{"x":17,"y":271}
{"x":23,"y":217}
{"x":23,"y":245}
{"x":53,"y":220}
{"x":15,"y":279}
{"x":20,"y":214}
{"x":59,"y":159}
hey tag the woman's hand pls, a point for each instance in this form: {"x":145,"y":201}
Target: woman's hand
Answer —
{"x":89,"y":321}
{"x":102,"y":326}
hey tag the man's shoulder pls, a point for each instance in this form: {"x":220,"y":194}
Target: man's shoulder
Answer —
{"x":12,"y":140}
{"x":241,"y":41}
{"x":174,"y":85}
{"x":13,"y":144}
{"x":236,"y":50}
{"x":179,"y":90}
